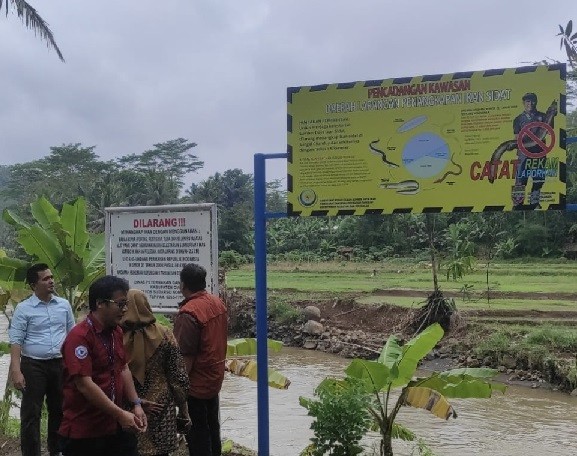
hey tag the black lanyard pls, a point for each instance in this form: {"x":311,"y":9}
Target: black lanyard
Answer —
{"x":108,"y":344}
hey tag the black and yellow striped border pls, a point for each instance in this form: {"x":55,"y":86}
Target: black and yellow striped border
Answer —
{"x":560,"y":67}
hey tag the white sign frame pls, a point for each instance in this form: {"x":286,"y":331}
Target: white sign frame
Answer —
{"x":142,"y":239}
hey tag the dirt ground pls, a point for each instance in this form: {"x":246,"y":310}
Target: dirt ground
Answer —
{"x":345,"y":313}
{"x":11,"y":447}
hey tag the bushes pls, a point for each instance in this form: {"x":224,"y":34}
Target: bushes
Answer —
{"x":231,"y":259}
{"x":283,"y":312}
{"x":534,"y":349}
{"x":341,"y":419}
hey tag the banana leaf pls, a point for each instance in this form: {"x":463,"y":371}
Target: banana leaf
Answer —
{"x":12,"y":272}
{"x":429,"y":399}
{"x":44,"y":213}
{"x":461,"y":385}
{"x":402,"y":433}
{"x":40,"y":244}
{"x":73,"y":218}
{"x":373,"y":375}
{"x":248,"y":368}
{"x":12,"y":219}
{"x":391,"y":352}
{"x":414,"y":351}
{"x":247,"y":346}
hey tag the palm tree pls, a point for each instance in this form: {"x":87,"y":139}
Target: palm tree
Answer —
{"x":568,"y":40}
{"x":32,"y":20}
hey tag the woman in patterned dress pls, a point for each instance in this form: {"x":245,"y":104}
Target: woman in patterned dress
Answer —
{"x":159,"y":375}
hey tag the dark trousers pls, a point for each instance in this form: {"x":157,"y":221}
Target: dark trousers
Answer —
{"x":121,"y":444}
{"x":203,"y":438}
{"x":43,"y":379}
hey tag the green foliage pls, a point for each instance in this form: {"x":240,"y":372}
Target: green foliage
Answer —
{"x":495,"y":345}
{"x":160,"y":171}
{"x":506,"y":248}
{"x":11,"y":426}
{"x":163,"y":320}
{"x":4,"y":348}
{"x":423,"y":449}
{"x":33,"y":21}
{"x":247,"y":346}
{"x":238,"y":363}
{"x":230,"y":259}
{"x":536,"y":341}
{"x":232,"y":192}
{"x":340,"y":418}
{"x":532,"y":348}
{"x":532,"y":239}
{"x":58,"y":176}
{"x":395,"y":368}
{"x":569,"y":42}
{"x":555,"y":339}
{"x":460,"y":259}
{"x":62,"y":242}
{"x":283,"y":312}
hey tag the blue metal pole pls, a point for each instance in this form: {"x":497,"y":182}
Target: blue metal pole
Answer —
{"x":261,"y":298}
{"x":260,"y":217}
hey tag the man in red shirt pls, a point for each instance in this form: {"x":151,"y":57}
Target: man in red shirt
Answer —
{"x":200,"y":329}
{"x":97,"y":381}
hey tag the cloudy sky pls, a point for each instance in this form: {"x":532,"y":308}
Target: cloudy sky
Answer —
{"x":216,"y":71}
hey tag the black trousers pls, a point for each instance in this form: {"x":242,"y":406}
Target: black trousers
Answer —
{"x":43,"y":379}
{"x":121,"y":444}
{"x":203,"y":438}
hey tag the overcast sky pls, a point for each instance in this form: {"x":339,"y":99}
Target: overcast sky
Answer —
{"x":216,"y":71}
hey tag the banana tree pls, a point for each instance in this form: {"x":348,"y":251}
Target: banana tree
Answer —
{"x":239,"y":361}
{"x":61,"y":240}
{"x":395,"y":369}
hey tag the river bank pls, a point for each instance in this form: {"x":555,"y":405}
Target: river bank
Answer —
{"x":529,"y":348}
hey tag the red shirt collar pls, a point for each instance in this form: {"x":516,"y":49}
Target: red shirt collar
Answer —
{"x":192,"y":296}
{"x":96,"y":325}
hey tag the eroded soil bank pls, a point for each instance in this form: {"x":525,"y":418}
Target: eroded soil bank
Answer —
{"x":351,"y":329}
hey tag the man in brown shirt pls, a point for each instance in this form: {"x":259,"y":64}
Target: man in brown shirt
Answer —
{"x":200,"y":328}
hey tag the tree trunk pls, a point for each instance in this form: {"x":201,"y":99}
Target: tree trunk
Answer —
{"x":431,"y":232}
{"x":387,"y":445}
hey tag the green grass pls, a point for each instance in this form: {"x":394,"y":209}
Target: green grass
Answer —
{"x":527,"y":275}
{"x":554,"y":338}
{"x":477,"y":304}
{"x":539,"y":348}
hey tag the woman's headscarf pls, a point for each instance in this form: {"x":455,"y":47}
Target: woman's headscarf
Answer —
{"x":142,"y":335}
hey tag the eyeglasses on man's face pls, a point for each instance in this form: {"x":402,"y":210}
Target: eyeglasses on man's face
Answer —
{"x":121,"y":303}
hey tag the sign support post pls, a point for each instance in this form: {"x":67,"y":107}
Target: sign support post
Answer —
{"x":260,"y":218}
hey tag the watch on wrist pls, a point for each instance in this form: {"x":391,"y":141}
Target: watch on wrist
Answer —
{"x":137,"y":401}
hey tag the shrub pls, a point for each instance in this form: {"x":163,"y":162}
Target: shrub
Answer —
{"x":230,"y":259}
{"x":283,"y":312}
{"x":341,"y":419}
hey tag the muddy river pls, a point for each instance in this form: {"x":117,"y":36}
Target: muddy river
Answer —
{"x":524,"y":421}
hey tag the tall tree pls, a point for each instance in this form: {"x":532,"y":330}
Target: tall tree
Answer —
{"x":33,"y":21}
{"x":60,"y":176}
{"x":164,"y":168}
{"x":232,"y":191}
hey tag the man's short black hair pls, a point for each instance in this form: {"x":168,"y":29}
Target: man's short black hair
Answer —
{"x":530,"y":96}
{"x":104,"y":288}
{"x":193,"y":276}
{"x":32,"y":272}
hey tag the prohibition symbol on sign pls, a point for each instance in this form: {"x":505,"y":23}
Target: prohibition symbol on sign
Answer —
{"x":532,"y":136}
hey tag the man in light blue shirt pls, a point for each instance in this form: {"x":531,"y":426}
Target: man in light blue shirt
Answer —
{"x":37,"y":331}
